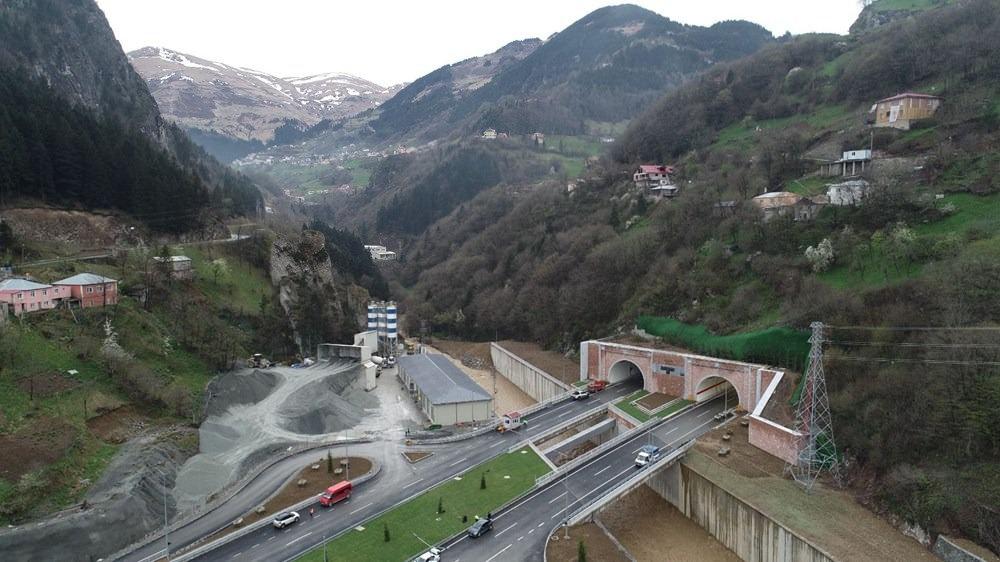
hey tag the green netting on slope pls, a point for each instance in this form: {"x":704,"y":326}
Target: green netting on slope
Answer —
{"x":782,"y":347}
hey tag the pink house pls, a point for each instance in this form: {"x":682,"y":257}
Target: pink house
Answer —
{"x":27,"y":296}
{"x":90,"y":289}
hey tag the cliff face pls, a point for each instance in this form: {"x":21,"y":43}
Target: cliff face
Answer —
{"x":320,"y":307}
{"x":877,"y":14}
{"x":69,"y":45}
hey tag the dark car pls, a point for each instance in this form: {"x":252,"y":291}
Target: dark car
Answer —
{"x":480,"y":528}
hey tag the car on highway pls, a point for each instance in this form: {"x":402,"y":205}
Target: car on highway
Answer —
{"x":580,"y":394}
{"x":285,"y":519}
{"x":724,"y":414}
{"x":432,"y":555}
{"x":480,"y":528}
{"x":648,"y":454}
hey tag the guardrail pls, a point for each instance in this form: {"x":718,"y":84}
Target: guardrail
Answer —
{"x":597,"y":503}
{"x":453,"y":438}
{"x":187,"y":554}
{"x":593,"y":453}
{"x":555,"y":430}
{"x":229,"y":492}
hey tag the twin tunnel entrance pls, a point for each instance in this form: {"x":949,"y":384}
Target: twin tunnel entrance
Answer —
{"x":710,"y":387}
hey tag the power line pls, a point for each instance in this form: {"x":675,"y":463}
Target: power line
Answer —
{"x":908,"y":344}
{"x":920,"y":361}
{"x":917,"y":328}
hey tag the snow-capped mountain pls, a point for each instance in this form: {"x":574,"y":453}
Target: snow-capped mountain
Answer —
{"x":244,"y":103}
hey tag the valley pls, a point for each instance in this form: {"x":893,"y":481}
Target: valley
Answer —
{"x":640,"y":290}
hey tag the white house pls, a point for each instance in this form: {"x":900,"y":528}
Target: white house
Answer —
{"x":380,"y":253}
{"x":847,"y":193}
{"x":490,"y":134}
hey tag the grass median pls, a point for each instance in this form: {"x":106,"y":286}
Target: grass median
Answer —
{"x":506,"y":477}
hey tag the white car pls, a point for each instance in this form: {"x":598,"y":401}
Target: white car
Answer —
{"x":432,"y":555}
{"x":580,"y":394}
{"x":285,"y":519}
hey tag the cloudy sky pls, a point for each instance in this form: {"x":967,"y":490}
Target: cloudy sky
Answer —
{"x":392,"y":41}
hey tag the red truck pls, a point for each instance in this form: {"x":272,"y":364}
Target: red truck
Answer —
{"x":596,"y":386}
{"x":336,"y":493}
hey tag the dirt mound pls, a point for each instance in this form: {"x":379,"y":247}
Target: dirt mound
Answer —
{"x":239,"y":388}
{"x":46,"y":384}
{"x":38,"y":444}
{"x":81,"y":229}
{"x":122,"y":507}
{"x":118,"y":425}
{"x":329,"y":405}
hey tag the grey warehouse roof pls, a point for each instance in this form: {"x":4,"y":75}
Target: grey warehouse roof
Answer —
{"x":21,"y":285}
{"x":440,"y":380}
{"x":85,"y":279}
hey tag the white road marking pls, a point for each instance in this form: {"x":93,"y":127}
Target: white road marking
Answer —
{"x":254,"y":546}
{"x":270,"y":539}
{"x":412,"y":483}
{"x":155,"y":556}
{"x":671,"y":431}
{"x":602,"y":470}
{"x":555,"y":499}
{"x":540,"y":525}
{"x":499,"y":553}
{"x":701,"y":415}
{"x":497,"y":444}
{"x":460,"y":461}
{"x":298,"y":539}
{"x":237,"y":554}
{"x":505,"y":530}
{"x":362,"y":507}
{"x":531,"y":531}
{"x":520,"y":538}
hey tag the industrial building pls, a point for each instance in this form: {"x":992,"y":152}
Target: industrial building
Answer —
{"x":442,"y":391}
{"x":382,"y":319}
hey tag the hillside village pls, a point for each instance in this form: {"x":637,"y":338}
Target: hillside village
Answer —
{"x":639,"y":290}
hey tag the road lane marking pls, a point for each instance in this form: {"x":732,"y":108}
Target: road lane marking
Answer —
{"x":499,"y":553}
{"x":237,"y":554}
{"x":362,"y":507}
{"x":671,"y":431}
{"x":602,"y":470}
{"x":505,"y":530}
{"x":460,"y":461}
{"x":555,"y":499}
{"x":701,"y":415}
{"x":270,"y":539}
{"x":520,"y":538}
{"x":497,"y":444}
{"x":155,"y":556}
{"x":531,"y":531}
{"x":540,"y":525}
{"x":298,"y":539}
{"x":412,"y":483}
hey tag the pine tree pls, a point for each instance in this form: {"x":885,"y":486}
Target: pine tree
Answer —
{"x":329,"y":463}
{"x":581,"y":552}
{"x":482,"y":482}
{"x":385,"y":532}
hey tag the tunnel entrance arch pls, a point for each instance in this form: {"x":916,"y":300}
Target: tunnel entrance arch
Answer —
{"x":625,"y":370}
{"x":714,"y":386}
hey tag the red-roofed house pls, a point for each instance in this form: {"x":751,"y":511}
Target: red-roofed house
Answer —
{"x":901,"y":110}
{"x":90,"y":289}
{"x":648,"y":176}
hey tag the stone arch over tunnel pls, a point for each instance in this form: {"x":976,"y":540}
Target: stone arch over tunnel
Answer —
{"x":625,"y":370}
{"x":716,"y":385}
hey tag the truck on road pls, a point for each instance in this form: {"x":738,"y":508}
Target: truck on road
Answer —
{"x":648,"y":454}
{"x":510,"y":422}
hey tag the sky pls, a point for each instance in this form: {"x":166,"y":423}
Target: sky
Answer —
{"x":393,"y":41}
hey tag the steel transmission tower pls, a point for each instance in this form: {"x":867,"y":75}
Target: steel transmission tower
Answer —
{"x":819,"y":451}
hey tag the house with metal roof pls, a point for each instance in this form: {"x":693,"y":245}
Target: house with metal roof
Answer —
{"x":23,"y":295}
{"x":90,"y":290}
{"x":442,"y":391}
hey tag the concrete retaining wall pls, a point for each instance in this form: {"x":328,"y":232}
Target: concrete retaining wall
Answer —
{"x":753,"y":536}
{"x":535,"y":382}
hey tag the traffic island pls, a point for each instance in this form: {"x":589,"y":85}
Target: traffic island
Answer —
{"x":438,"y":513}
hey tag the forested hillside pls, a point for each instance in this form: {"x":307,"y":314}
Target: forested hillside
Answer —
{"x":79,"y":129}
{"x":922,"y":249}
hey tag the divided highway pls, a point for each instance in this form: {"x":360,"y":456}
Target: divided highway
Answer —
{"x":519,"y":533}
{"x":397,"y":482}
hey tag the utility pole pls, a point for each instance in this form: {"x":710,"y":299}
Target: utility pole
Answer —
{"x":166,"y":528}
{"x":566,"y":513}
{"x":819,"y":452}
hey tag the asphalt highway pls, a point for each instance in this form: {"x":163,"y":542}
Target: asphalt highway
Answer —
{"x":396,"y":482}
{"x":519,"y":533}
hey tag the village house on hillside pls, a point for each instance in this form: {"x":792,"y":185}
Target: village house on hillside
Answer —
{"x":649,"y":175}
{"x":784,"y":203}
{"x":179,"y":267}
{"x":22,"y":295}
{"x":538,"y":138}
{"x":852,"y":163}
{"x":380,"y":253}
{"x":847,"y":193}
{"x":490,"y":134}
{"x":90,"y":290}
{"x":901,"y":110}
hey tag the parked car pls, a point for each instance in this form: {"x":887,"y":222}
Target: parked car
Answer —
{"x":724,"y":414}
{"x":648,"y":454}
{"x":432,"y":555}
{"x":285,"y":519}
{"x":391,"y":361}
{"x":580,"y":394}
{"x":480,"y":528}
{"x":596,"y":386}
